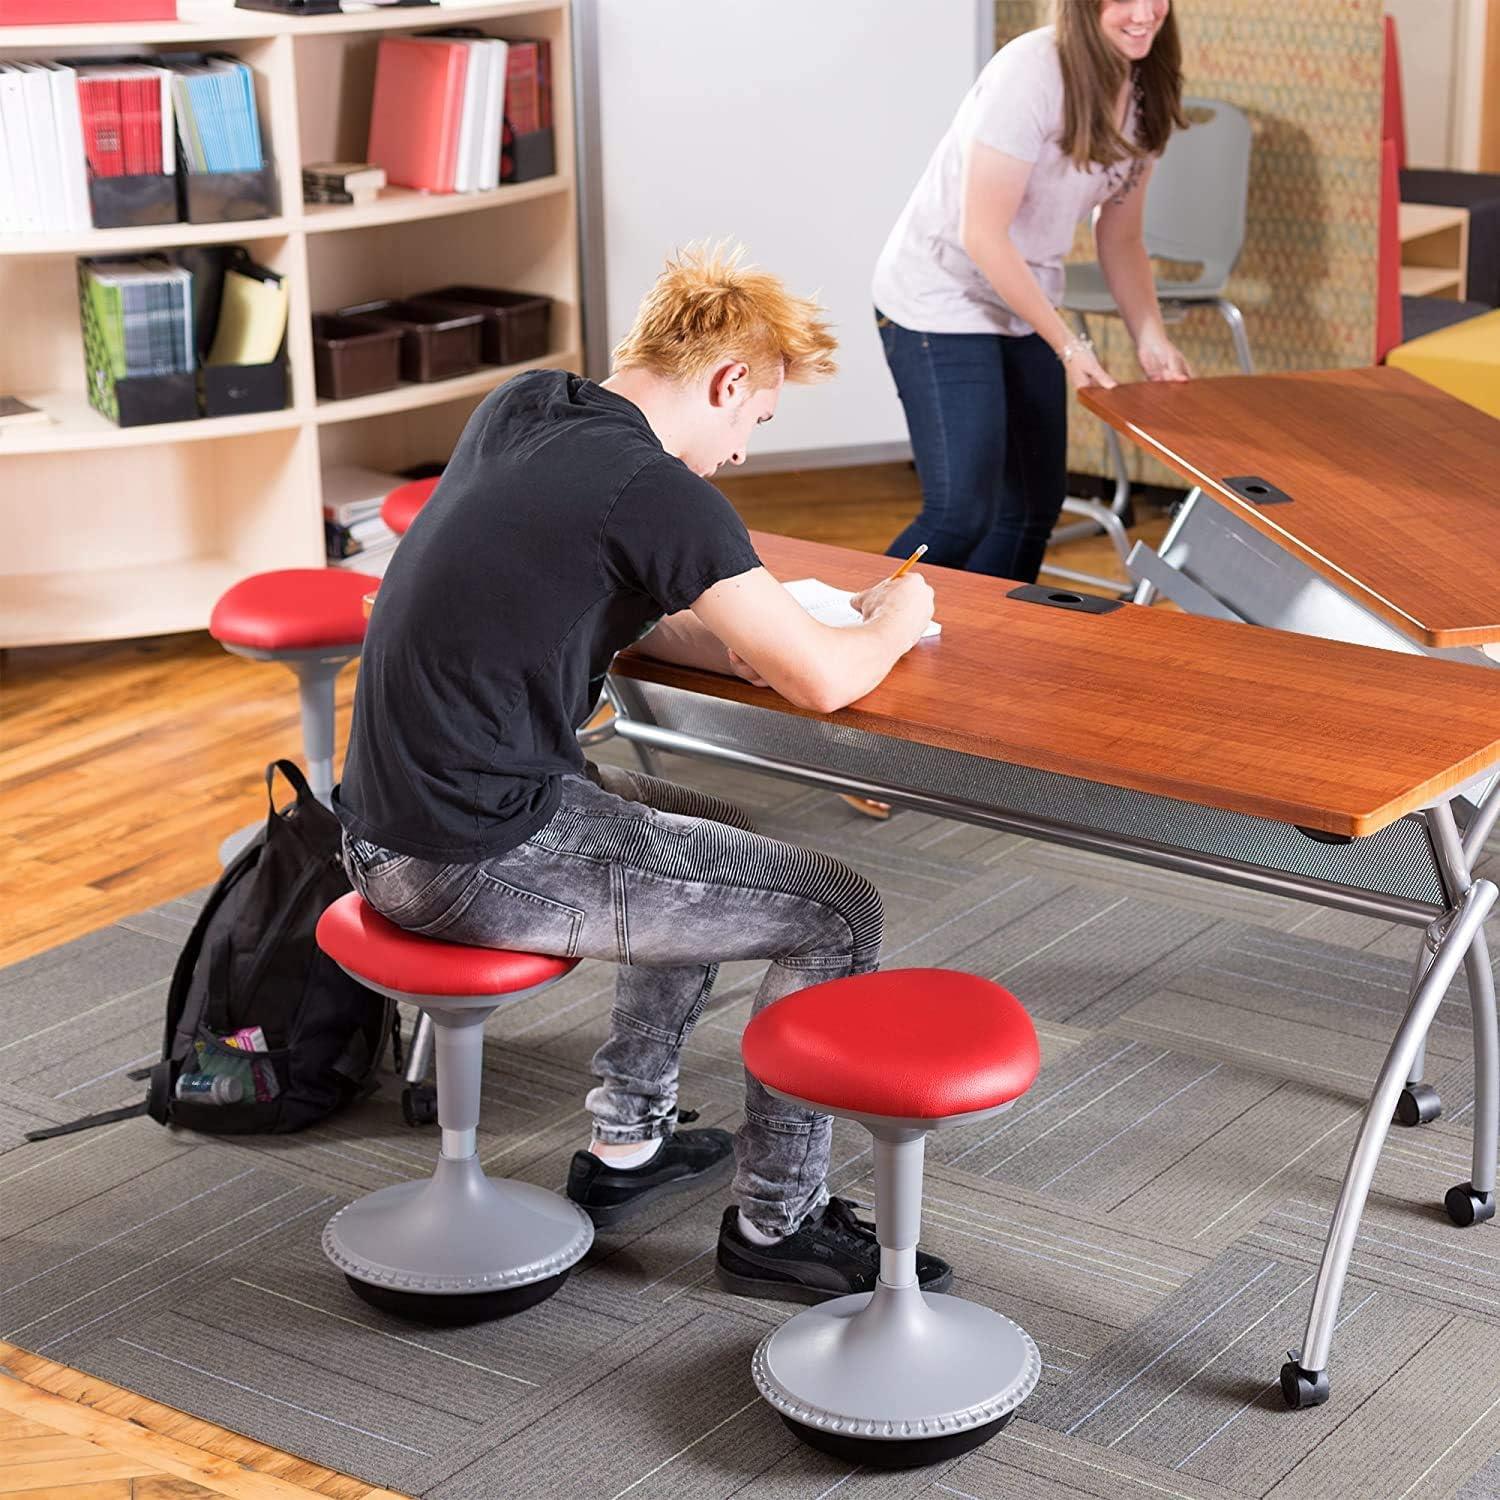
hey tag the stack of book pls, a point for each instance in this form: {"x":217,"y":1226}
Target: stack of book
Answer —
{"x":342,"y":182}
{"x":355,"y":534}
{"x":64,"y":124}
{"x":137,"y":315}
{"x":43,"y":170}
{"x":439,"y":106}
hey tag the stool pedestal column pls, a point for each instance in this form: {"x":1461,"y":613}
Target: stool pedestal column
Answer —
{"x":459,"y":1246}
{"x":897,"y":1377}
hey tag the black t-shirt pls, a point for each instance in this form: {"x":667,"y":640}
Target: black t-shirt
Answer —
{"x":560,"y":533}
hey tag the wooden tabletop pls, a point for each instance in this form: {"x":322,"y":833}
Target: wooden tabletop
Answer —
{"x":1395,"y":485}
{"x":1317,"y":733}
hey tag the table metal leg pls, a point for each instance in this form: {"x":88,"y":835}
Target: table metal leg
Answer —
{"x":629,"y":704}
{"x":1304,"y":1379}
{"x":1419,"y":1103}
{"x":1473,"y":1201}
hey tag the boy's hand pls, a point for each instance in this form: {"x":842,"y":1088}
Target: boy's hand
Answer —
{"x":742,"y":668}
{"x":908,"y":599}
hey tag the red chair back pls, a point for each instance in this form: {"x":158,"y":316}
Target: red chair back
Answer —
{"x":1388,"y":257}
{"x":1393,"y":114}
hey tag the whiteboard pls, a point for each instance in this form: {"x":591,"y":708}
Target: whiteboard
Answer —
{"x":798,"y":127}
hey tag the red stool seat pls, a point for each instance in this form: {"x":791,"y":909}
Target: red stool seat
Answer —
{"x":399,"y":509}
{"x":910,"y":1044}
{"x":293,"y":609}
{"x":357,"y":938}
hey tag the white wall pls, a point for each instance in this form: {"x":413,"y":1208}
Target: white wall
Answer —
{"x":1442,"y":62}
{"x":796,"y":126}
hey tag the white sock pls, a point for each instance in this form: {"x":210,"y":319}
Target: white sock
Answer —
{"x":756,"y":1236}
{"x":626,"y":1159}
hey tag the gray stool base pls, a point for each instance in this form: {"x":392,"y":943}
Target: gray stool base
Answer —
{"x":459,"y":1246}
{"x":896,"y":1377}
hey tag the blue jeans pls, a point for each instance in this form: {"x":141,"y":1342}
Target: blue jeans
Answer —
{"x":988,"y":419}
{"x":666,"y":882}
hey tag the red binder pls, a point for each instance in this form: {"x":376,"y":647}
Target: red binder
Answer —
{"x":103,"y":141}
{"x":415,"y":117}
{"x":81,"y":12}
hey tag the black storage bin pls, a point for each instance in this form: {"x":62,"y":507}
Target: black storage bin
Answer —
{"x":217,"y":197}
{"x":234,"y":390}
{"x":533,"y":155}
{"x":438,"y":339}
{"x":354,"y":356}
{"x":124,"y":202}
{"x":515,"y":323}
{"x":147,"y":399}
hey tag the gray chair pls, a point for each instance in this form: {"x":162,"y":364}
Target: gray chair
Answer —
{"x":1195,"y":213}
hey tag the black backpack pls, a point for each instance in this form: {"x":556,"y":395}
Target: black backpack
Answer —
{"x":251,"y":965}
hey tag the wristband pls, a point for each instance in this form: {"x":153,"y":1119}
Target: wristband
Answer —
{"x":1082,"y":343}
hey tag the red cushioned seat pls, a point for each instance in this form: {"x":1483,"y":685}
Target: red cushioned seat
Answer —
{"x":399,"y":509}
{"x":356,"y":937}
{"x":294,"y":609}
{"x":911,"y":1044}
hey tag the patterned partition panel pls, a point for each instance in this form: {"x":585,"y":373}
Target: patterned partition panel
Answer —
{"x":1309,"y":77}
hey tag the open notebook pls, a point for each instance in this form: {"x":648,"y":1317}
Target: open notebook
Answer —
{"x":831,"y":606}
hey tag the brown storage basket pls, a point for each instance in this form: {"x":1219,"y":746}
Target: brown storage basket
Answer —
{"x":515,"y":323}
{"x":354,"y":356}
{"x":438,"y":340}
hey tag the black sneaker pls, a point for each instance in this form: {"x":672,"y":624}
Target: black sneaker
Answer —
{"x":830,"y":1256}
{"x":687,"y":1158}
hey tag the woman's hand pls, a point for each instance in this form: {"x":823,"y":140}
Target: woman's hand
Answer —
{"x":1083,"y":369}
{"x":1161,"y":359}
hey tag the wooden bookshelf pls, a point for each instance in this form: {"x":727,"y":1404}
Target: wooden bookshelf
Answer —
{"x":115,"y":532}
{"x":1434,"y":250}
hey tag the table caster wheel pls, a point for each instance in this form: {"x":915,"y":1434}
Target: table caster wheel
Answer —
{"x":1466,"y":1206}
{"x":419,"y":1104}
{"x":1418,"y":1105}
{"x":903,"y":1453}
{"x":1301,"y":1388}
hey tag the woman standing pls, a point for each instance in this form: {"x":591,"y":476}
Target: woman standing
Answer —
{"x":1061,"y":121}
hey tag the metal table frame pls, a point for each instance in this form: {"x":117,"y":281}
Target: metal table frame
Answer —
{"x":1453,"y":934}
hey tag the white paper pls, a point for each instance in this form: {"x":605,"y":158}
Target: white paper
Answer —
{"x":831,"y":606}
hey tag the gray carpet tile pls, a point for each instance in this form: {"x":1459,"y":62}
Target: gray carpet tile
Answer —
{"x":1483,"y":1484}
{"x":1152,"y":1212}
{"x":1028,"y":1460}
{"x":1406,"y":1244}
{"x":1193,"y":1385}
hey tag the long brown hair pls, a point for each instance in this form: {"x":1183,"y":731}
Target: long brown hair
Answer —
{"x":1093,"y":72}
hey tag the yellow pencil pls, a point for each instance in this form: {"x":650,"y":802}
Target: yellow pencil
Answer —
{"x":909,"y":561}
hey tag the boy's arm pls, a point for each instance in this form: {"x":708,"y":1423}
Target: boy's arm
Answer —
{"x":815,"y":666}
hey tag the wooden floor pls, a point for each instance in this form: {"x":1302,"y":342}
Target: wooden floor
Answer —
{"x":121,"y":767}
{"x":67,"y":1436}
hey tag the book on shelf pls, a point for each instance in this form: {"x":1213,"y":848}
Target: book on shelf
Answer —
{"x":15,"y":412}
{"x":438,"y":111}
{"x":528,"y":86}
{"x":352,"y":492}
{"x":342,"y":182}
{"x":83,"y":12}
{"x":64,"y":125}
{"x":137,"y":319}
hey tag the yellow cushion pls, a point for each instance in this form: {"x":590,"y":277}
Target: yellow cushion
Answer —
{"x":1463,"y":360}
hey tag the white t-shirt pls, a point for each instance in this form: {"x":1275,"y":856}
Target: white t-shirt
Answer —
{"x":925,"y":279}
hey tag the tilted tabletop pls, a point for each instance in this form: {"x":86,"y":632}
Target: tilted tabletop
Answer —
{"x":1328,"y":736}
{"x":1394,"y":485}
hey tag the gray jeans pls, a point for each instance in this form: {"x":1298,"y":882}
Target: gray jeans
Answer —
{"x":668,"y":883}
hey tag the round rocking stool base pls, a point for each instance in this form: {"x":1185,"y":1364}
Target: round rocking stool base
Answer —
{"x":457,"y":1310}
{"x":906,"y":1453}
{"x":898,"y":1377}
{"x":458,"y":1247}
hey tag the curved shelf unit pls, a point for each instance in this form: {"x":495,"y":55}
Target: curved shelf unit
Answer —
{"x":140,"y":529}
